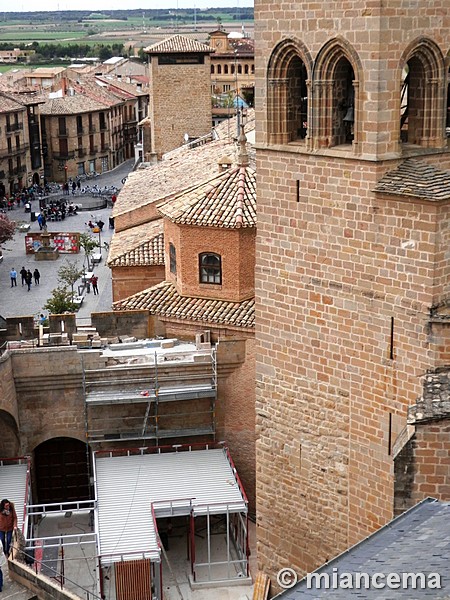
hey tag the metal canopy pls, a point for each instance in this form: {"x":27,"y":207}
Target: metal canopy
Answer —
{"x":13,"y":485}
{"x":174,"y":482}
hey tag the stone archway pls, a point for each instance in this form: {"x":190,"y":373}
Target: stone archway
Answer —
{"x":62,"y":470}
{"x":9,"y":436}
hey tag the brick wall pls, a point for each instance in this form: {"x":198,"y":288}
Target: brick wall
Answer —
{"x":345,"y":279}
{"x":236,"y":248}
{"x":180,"y":102}
{"x":127,"y":281}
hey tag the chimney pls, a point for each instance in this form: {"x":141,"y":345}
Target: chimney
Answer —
{"x":224,"y":163}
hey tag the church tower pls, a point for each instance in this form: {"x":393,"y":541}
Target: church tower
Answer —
{"x":352,"y":256}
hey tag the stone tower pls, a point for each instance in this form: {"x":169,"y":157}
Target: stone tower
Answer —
{"x":180,"y":92}
{"x":352,"y":254}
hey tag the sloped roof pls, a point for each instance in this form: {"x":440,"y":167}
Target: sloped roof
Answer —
{"x":139,"y":246}
{"x":180,"y":169}
{"x":176,"y":44}
{"x":228,"y":200}
{"x":69,"y":105}
{"x":416,"y":178}
{"x":89,"y":88}
{"x":416,"y":542}
{"x":8,"y":105}
{"x":164,"y":300}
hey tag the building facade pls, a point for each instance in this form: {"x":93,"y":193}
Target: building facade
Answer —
{"x":350,"y":258}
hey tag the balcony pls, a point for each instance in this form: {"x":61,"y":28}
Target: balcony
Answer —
{"x":105,"y":148}
{"x":103,"y":126}
{"x":81,"y":152}
{"x":80,"y":130}
{"x":63,"y":155}
{"x":17,"y":170}
{"x":13,"y":127}
{"x":93,"y":150}
{"x":63,"y":133}
{"x":92,"y":128}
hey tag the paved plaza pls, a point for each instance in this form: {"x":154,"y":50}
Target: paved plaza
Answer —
{"x":19,"y":301}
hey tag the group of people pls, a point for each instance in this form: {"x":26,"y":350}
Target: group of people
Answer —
{"x":8,"y":523}
{"x":27,"y":277}
{"x":56,"y":210}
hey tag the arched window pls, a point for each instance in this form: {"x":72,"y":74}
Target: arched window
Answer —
{"x":232,"y":69}
{"x":240,"y":69}
{"x":219,"y":69}
{"x":337,"y":100}
{"x":173,"y":259}
{"x":210,"y":267}
{"x":212,"y":70}
{"x":246,"y":69}
{"x":288,"y":93}
{"x":225,"y":69}
{"x":422,"y":120}
{"x":253,"y":69}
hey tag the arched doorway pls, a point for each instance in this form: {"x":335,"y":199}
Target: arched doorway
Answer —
{"x":62,"y":468}
{"x":36,"y":179}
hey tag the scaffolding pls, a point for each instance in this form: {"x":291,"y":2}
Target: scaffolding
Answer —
{"x":170,"y":398}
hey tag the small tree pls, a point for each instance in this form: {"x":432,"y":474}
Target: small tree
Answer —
{"x":88,"y":244}
{"x":60,"y":301}
{"x":68,"y":273}
{"x":7,"y":229}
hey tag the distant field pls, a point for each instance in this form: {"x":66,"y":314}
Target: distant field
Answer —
{"x":31,"y":35}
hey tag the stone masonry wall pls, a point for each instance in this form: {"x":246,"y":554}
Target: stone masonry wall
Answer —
{"x":180,"y":103}
{"x":9,"y":438}
{"x":344,"y":283}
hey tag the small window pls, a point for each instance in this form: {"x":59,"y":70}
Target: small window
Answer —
{"x":210,"y":268}
{"x":173,"y":259}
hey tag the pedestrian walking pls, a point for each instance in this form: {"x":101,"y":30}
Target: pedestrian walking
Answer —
{"x":29,"y":279}
{"x":8,"y":522}
{"x":3,"y":563}
{"x":40,"y":219}
{"x":36,"y":276}
{"x":94,"y":282}
{"x":13,"y":276}
{"x":23,"y":274}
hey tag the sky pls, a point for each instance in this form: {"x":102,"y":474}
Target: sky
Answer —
{"x":33,"y":5}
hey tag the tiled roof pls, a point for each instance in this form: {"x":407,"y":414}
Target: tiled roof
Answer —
{"x":417,"y":179}
{"x":178,"y":43}
{"x":228,"y":200}
{"x":69,"y":105}
{"x":8,"y":105}
{"x":137,"y":247}
{"x":163,"y":300}
{"x":89,"y":88}
{"x":416,"y":542}
{"x":130,"y":88}
{"x":180,"y":169}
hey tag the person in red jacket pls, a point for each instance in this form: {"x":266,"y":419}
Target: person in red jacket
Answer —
{"x":8,"y":522}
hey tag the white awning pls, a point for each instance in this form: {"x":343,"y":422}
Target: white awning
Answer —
{"x":175,"y":482}
{"x":13,"y":486}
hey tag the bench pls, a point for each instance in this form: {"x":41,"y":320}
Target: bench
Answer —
{"x":78,"y":301}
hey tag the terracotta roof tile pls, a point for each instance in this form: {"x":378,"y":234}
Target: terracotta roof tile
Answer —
{"x":139,"y":246}
{"x":228,"y":200}
{"x":176,"y":44}
{"x":417,"y":179}
{"x":163,"y":300}
{"x":8,"y":104}
{"x":180,"y":169}
{"x":70,"y":105}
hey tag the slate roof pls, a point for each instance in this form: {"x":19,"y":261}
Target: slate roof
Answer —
{"x":416,"y":542}
{"x":180,"y":169}
{"x":70,"y":105}
{"x":176,"y":44}
{"x":163,"y":300}
{"x":228,"y":200}
{"x":139,"y":246}
{"x":416,"y":179}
